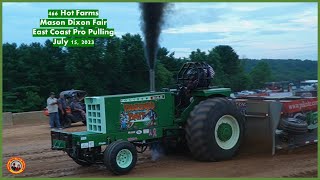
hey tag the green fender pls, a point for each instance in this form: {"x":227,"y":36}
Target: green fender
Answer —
{"x":200,"y":95}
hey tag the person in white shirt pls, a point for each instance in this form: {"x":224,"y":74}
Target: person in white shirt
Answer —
{"x":52,"y":103}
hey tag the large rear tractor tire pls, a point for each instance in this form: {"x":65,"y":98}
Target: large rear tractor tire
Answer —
{"x":120,"y":157}
{"x":214,"y":130}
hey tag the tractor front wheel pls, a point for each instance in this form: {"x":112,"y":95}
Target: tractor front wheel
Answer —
{"x":214,"y":130}
{"x":120,"y":157}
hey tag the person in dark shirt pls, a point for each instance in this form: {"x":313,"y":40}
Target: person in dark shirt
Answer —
{"x":62,"y":109}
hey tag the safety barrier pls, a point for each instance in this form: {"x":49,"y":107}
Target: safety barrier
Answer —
{"x":34,"y":117}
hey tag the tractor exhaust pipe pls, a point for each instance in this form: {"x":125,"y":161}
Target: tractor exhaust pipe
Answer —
{"x":152,"y":80}
{"x":152,"y":16}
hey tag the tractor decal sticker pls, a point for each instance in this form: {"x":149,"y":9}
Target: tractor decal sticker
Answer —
{"x":138,"y":115}
{"x":84,"y":145}
{"x":91,"y":144}
{"x":146,"y":131}
{"x":153,"y":132}
{"x":145,"y":98}
{"x":132,"y":139}
{"x":242,"y":106}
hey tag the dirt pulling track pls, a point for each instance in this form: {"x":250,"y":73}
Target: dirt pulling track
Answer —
{"x":32,"y":143}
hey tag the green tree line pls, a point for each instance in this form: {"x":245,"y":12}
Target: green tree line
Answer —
{"x":112,"y":66}
{"x":286,"y":69}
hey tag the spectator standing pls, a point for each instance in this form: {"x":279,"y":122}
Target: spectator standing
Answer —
{"x":52,"y":103}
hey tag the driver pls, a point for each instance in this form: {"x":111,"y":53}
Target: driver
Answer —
{"x":76,"y":106}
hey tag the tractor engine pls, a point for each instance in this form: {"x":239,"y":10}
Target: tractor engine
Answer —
{"x":192,"y":76}
{"x":195,"y":75}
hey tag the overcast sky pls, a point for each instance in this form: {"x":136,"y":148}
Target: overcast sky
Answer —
{"x":254,"y":30}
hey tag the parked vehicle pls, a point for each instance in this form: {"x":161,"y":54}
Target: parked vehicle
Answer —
{"x":72,"y":115}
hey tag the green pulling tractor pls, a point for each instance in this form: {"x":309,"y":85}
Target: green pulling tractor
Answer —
{"x":193,"y":116}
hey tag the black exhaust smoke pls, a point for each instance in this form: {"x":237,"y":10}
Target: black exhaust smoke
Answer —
{"x":152,"y":21}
